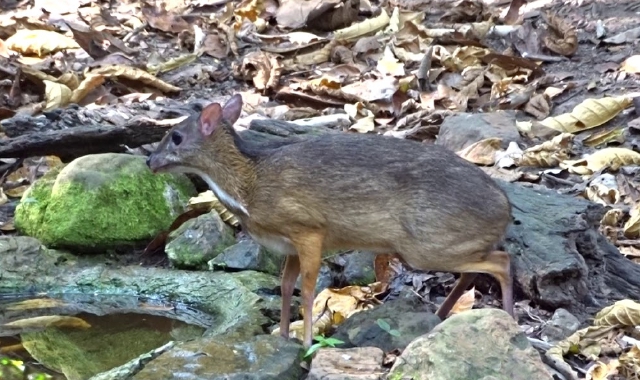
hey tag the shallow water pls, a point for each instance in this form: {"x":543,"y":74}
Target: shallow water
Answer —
{"x":77,"y":336}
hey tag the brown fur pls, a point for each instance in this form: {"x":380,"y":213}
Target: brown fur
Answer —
{"x":348,"y":191}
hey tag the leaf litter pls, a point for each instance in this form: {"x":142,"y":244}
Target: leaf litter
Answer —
{"x":397,"y":68}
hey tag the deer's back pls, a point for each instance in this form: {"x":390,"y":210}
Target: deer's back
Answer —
{"x":367,"y":186}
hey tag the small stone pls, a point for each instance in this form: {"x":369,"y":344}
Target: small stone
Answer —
{"x":360,"y":363}
{"x":459,"y":131}
{"x":198,"y":240}
{"x":248,"y":255}
{"x":408,"y":318}
{"x":561,"y":325}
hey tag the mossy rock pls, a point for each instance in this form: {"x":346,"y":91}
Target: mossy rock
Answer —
{"x":101,"y":202}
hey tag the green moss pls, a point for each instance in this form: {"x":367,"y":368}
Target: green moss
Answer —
{"x":89,"y":206}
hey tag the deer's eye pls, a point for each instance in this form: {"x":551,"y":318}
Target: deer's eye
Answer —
{"x":176,"y":138}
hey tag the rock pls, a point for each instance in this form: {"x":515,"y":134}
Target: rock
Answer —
{"x":459,"y":131}
{"x":357,"y":268}
{"x":325,"y":279}
{"x":102,"y":201}
{"x":476,"y":344}
{"x":237,"y":302}
{"x":410,"y":317}
{"x":261,"y":357}
{"x":561,"y":325}
{"x":361,"y":363}
{"x":198,"y":240}
{"x":248,"y":254}
{"x":559,"y":257}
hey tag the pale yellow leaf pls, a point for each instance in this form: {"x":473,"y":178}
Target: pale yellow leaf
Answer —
{"x":39,"y":42}
{"x":482,"y":152}
{"x":49,"y":321}
{"x":613,"y":158}
{"x":88,"y":84}
{"x":549,"y":153}
{"x":134,"y":74}
{"x":389,"y":64}
{"x":602,"y":371}
{"x":604,"y":137}
{"x":56,"y":95}
{"x":631,"y":65}
{"x":588,"y":114}
{"x":622,"y":313}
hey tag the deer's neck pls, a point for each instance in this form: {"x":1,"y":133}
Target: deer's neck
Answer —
{"x":232,"y":176}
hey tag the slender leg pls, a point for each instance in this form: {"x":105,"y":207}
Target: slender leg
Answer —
{"x":463,"y":283}
{"x":289,"y":276}
{"x":497,"y":264}
{"x":309,"y":247}
{"x":506,"y":280}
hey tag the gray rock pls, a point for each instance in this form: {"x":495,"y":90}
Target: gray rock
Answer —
{"x":461,"y":130}
{"x":360,"y":363}
{"x":248,"y":254}
{"x":561,"y":325}
{"x":102,"y":201}
{"x":357,"y":267}
{"x":261,"y":357}
{"x":410,"y":317}
{"x":476,"y":344}
{"x":236,"y":301}
{"x":198,"y":240}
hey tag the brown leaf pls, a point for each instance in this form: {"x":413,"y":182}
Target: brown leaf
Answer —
{"x":538,"y":106}
{"x":564,"y":41}
{"x":136,"y":75}
{"x":160,"y":19}
{"x":465,"y":302}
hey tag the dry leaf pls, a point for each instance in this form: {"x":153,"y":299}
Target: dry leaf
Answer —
{"x":465,"y":302}
{"x":613,"y":158}
{"x":588,"y":114}
{"x":208,"y":201}
{"x":389,"y":64}
{"x":38,"y":303}
{"x":565,"y":40}
{"x":631,"y":228}
{"x":630,"y":363}
{"x":602,"y":371}
{"x":622,"y":313}
{"x":332,"y":306}
{"x":56,"y":95}
{"x":631,"y":65}
{"x":604,"y":190}
{"x":612,"y":218}
{"x":549,"y":153}
{"x":3,"y":197}
{"x":604,"y":137}
{"x":49,"y":321}
{"x":134,"y":74}
{"x":39,"y":42}
{"x":90,"y":83}
{"x":482,"y":152}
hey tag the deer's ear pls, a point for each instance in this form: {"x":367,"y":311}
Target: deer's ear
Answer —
{"x":210,"y":118}
{"x":232,"y":109}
